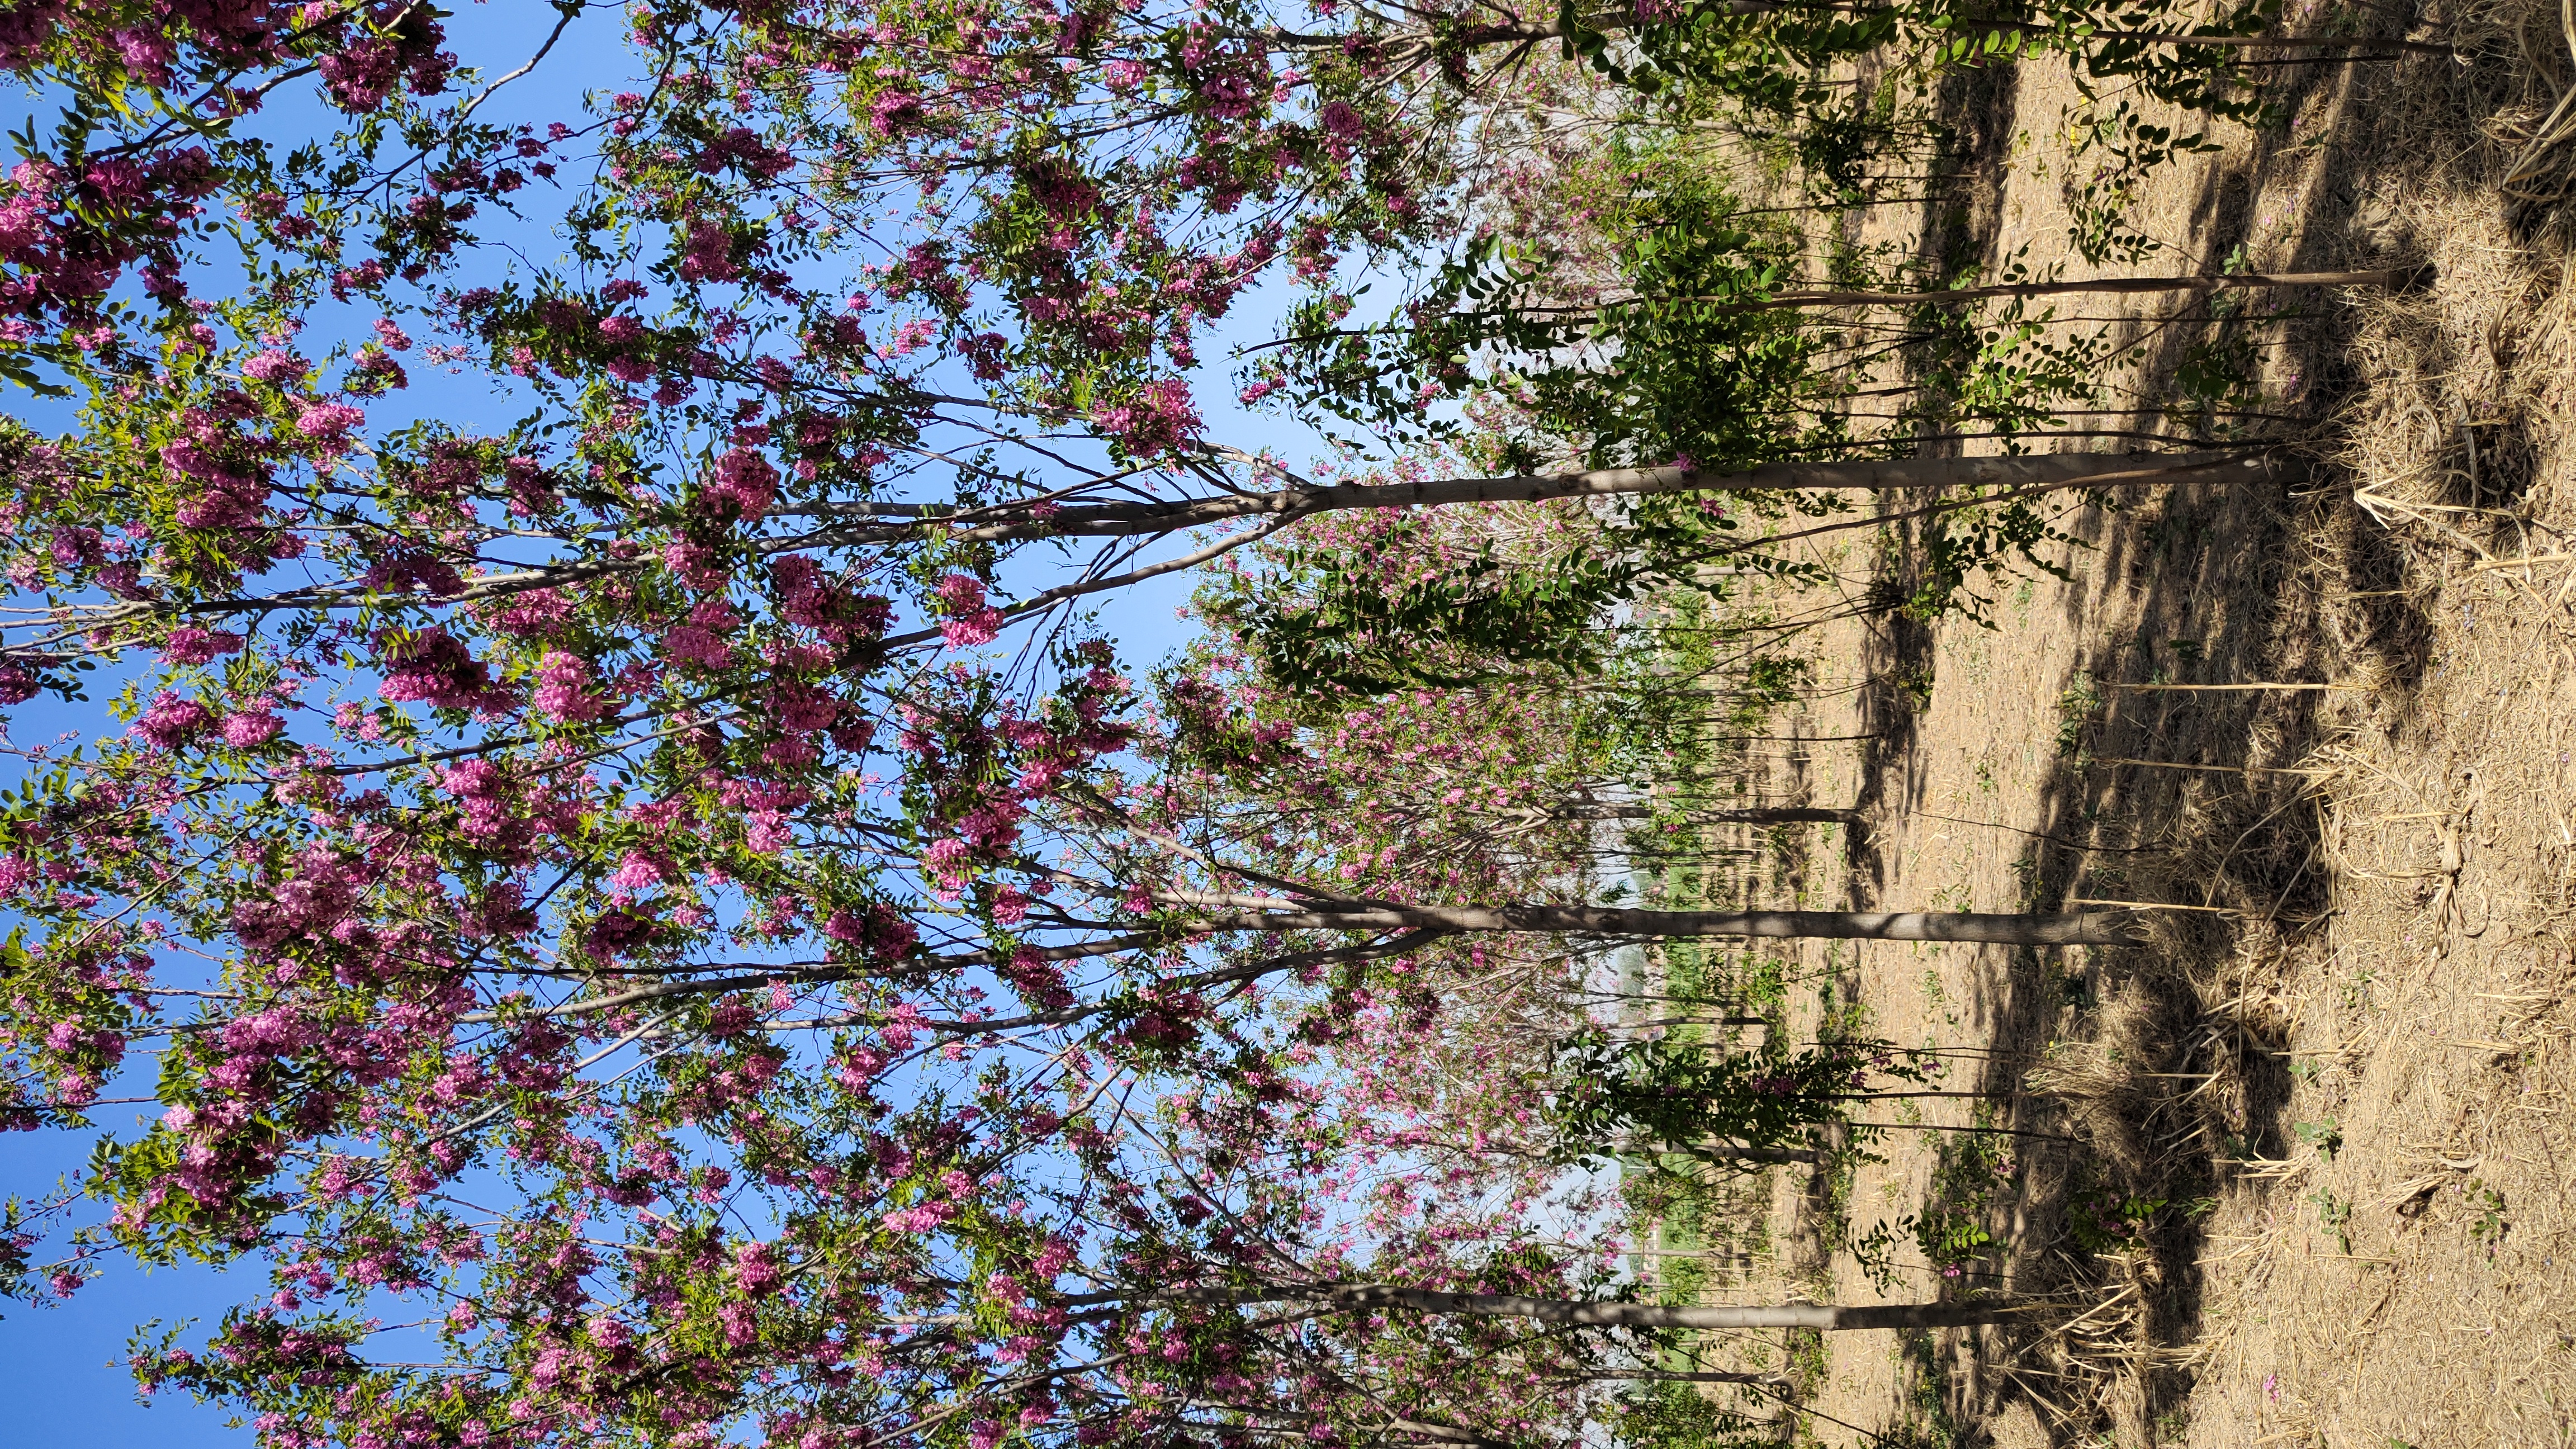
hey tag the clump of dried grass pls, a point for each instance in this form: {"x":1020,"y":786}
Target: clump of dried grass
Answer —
{"x":2097,"y":1081}
{"x":2460,"y":388}
{"x":2457,"y":388}
{"x":2097,"y":1367}
{"x":2543,"y":174}
{"x":2445,"y":437}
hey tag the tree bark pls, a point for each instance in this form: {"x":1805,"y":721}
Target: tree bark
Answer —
{"x":1588,"y":1313}
{"x":1683,"y":1378}
{"x":1442,"y":1432}
{"x":1776,"y":815}
{"x":2394,"y":277}
{"x":1725,"y":1151}
{"x":1765,"y":1156}
{"x":1525,"y":32}
{"x":1826,"y":1316}
{"x":2087,"y":928}
{"x":1115,"y":520}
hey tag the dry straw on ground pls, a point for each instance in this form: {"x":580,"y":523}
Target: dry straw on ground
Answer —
{"x":2351,"y":1083}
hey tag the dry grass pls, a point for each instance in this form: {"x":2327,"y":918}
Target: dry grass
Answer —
{"x":2348,"y":1075}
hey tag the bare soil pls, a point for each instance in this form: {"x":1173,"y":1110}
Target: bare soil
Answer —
{"x":2333,"y":1091}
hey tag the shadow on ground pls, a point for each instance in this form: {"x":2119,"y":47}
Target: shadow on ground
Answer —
{"x":2171,"y":1069}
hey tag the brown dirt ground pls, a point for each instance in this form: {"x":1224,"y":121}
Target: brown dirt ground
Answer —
{"x":2356,"y":1053}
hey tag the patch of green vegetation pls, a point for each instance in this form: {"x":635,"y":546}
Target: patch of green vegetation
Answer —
{"x":2336,"y":1213}
{"x":1916,"y":685}
{"x":2325,"y":1135}
{"x":2075,"y":709}
{"x":2489,"y":1226}
{"x":1682,"y":1279}
{"x":1677,"y":1416}
{"x":1764,"y":983}
{"x":1971,"y":1171}
{"x":1806,"y":1360}
{"x":2123,"y":147}
{"x":2105,"y":1219}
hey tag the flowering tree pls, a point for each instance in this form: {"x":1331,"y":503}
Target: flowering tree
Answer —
{"x":580,"y":881}
{"x":918,"y":1287}
{"x":576,"y":895}
{"x":1278,"y":813}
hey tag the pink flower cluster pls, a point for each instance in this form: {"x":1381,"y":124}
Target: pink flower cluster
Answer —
{"x":1160,"y":417}
{"x":433,"y":667}
{"x":564,"y":690}
{"x":970,"y":620}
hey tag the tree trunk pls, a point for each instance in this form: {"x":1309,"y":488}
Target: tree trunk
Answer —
{"x":1113,"y":520}
{"x":1683,"y":1378}
{"x":1588,"y":1313}
{"x":2395,"y":277}
{"x":1764,"y":1156}
{"x":1825,"y":1316}
{"x":1779,"y":815}
{"x":1526,"y":32}
{"x":2087,"y":928}
{"x":1442,"y":1432}
{"x":1725,"y":1151}
{"x":1945,"y":1127}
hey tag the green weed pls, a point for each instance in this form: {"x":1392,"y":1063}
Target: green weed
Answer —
{"x":2326,"y":1136}
{"x":2075,"y":709}
{"x":2489,"y":1226}
{"x":2336,"y":1213}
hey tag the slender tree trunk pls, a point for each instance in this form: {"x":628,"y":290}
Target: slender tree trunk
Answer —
{"x":1586,"y":1313}
{"x":1771,"y":739}
{"x":1781,"y":815}
{"x":1683,"y":1378}
{"x":2394,"y":277}
{"x":1825,"y":1316}
{"x":1987,"y":1131}
{"x":1727,"y":1151}
{"x":1765,"y":1156}
{"x":1442,"y":1432}
{"x":2329,"y":43}
{"x":1110,"y":520}
{"x":1255,"y":913}
{"x":1622,"y":20}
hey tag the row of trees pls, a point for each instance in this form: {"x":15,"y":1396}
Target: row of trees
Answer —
{"x":602,"y":895}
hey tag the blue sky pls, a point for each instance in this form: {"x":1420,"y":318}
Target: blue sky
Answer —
{"x":61,"y":1368}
